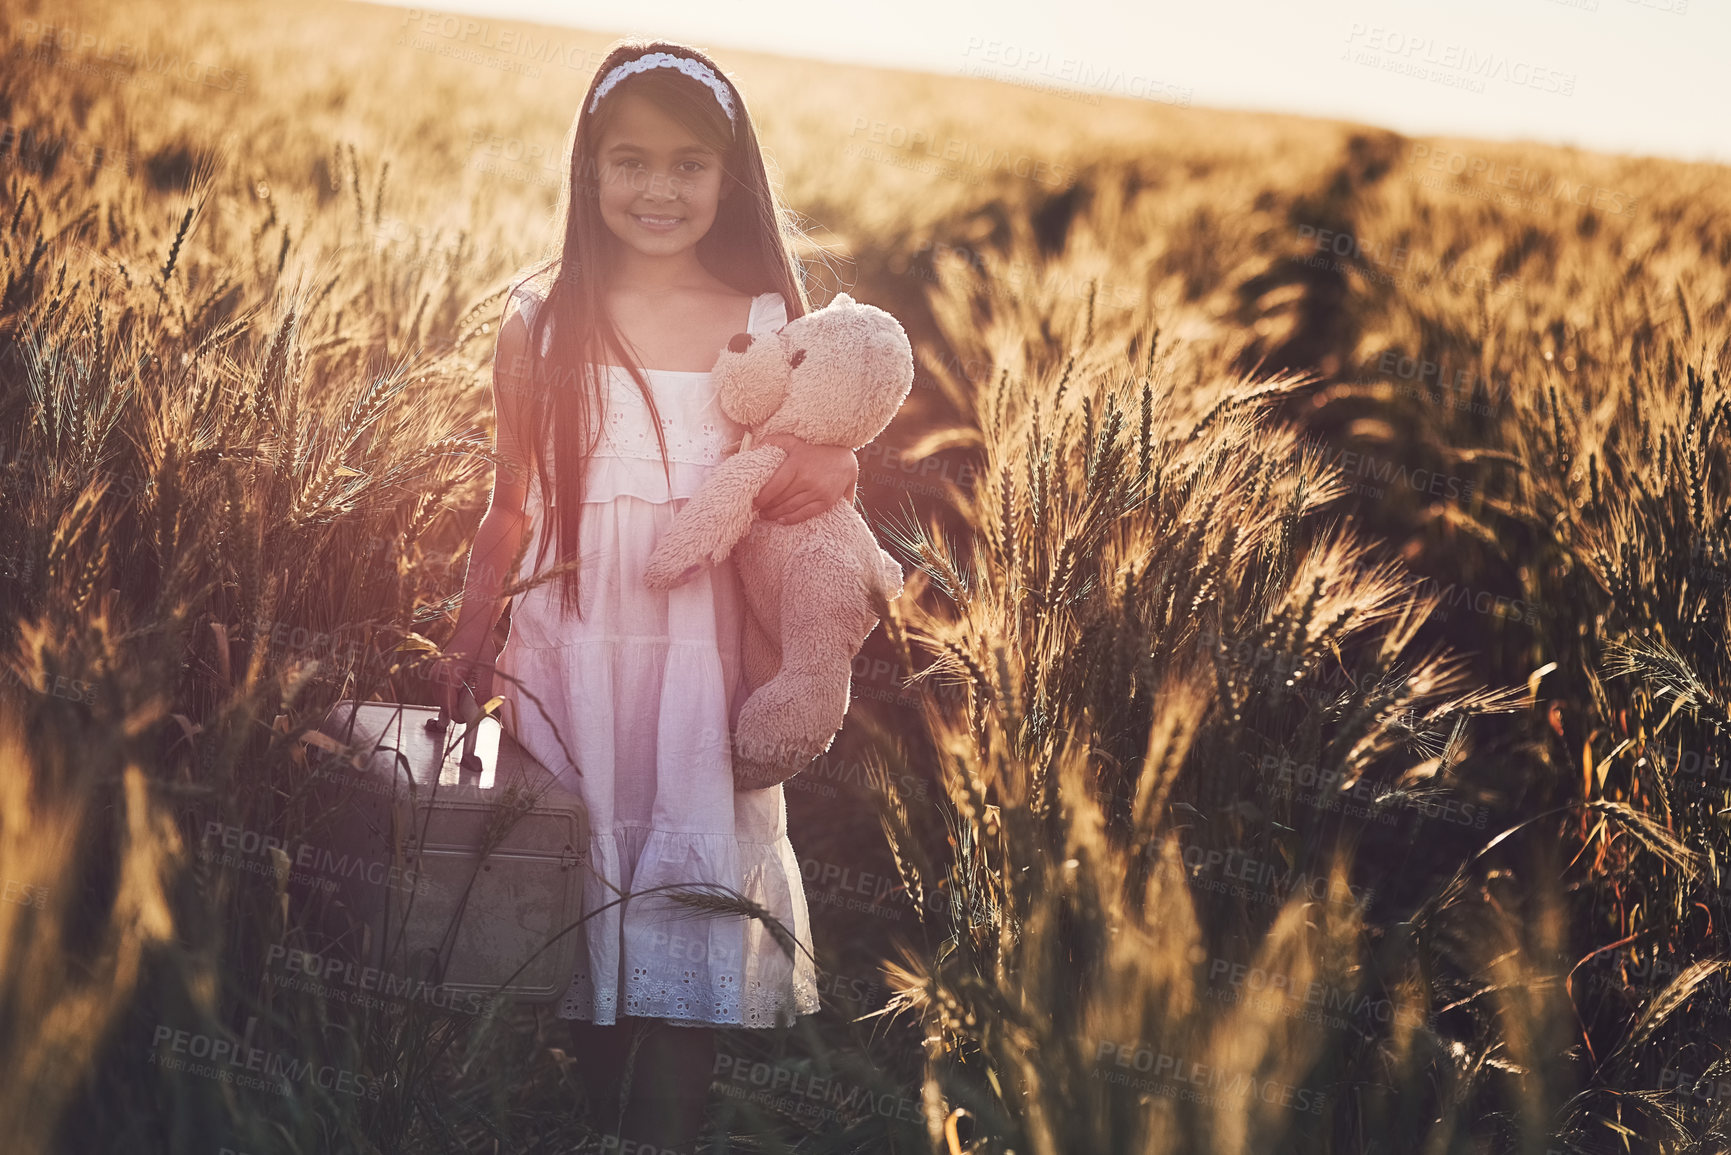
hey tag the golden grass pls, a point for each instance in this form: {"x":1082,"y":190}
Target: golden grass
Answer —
{"x":243,"y":428}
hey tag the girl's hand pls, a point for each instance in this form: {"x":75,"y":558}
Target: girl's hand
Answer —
{"x":465,"y":684}
{"x":811,"y":480}
{"x":466,"y":678}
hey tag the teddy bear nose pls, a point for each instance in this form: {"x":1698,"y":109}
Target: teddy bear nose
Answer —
{"x":798,"y":356}
{"x":740,"y":343}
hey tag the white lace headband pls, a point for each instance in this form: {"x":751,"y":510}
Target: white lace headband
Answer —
{"x":695,"y":69}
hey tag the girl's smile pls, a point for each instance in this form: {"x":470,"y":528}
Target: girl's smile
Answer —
{"x":657,"y":224}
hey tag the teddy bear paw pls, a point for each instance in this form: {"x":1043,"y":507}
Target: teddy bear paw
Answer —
{"x":662,"y":577}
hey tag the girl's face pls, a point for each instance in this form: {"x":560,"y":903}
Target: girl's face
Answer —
{"x":660,"y":186}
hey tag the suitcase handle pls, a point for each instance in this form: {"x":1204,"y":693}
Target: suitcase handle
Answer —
{"x":441,"y":722}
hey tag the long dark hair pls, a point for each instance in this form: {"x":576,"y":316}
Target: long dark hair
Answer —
{"x":749,"y":247}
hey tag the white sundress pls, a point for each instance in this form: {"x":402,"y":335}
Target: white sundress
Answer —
{"x":644,"y":690}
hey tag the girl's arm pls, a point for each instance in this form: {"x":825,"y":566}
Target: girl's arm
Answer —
{"x":811,"y":480}
{"x":501,"y":531}
{"x":496,"y":543}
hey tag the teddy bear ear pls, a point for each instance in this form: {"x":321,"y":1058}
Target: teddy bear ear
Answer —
{"x":842,"y":299}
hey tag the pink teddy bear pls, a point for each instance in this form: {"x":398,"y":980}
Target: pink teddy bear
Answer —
{"x":816,"y":589}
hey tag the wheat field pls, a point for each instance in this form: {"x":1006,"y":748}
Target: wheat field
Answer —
{"x":1304,"y":728}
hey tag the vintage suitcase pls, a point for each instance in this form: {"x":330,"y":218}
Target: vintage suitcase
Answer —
{"x":461,"y":856}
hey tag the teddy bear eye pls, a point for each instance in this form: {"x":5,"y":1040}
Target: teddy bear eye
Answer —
{"x":798,"y":356}
{"x":740,"y":343}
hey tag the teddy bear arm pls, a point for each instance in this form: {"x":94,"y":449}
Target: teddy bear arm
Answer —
{"x":711,"y":523}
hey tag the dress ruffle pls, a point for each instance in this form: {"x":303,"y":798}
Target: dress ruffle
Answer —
{"x":707,"y":969}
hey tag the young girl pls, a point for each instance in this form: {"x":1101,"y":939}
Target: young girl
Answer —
{"x":673,"y":243}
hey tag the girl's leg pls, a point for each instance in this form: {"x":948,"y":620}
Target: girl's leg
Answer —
{"x":599,"y":1052}
{"x":670,"y":1087}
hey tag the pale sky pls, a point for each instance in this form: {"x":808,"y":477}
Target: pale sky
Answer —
{"x":1648,"y":77}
